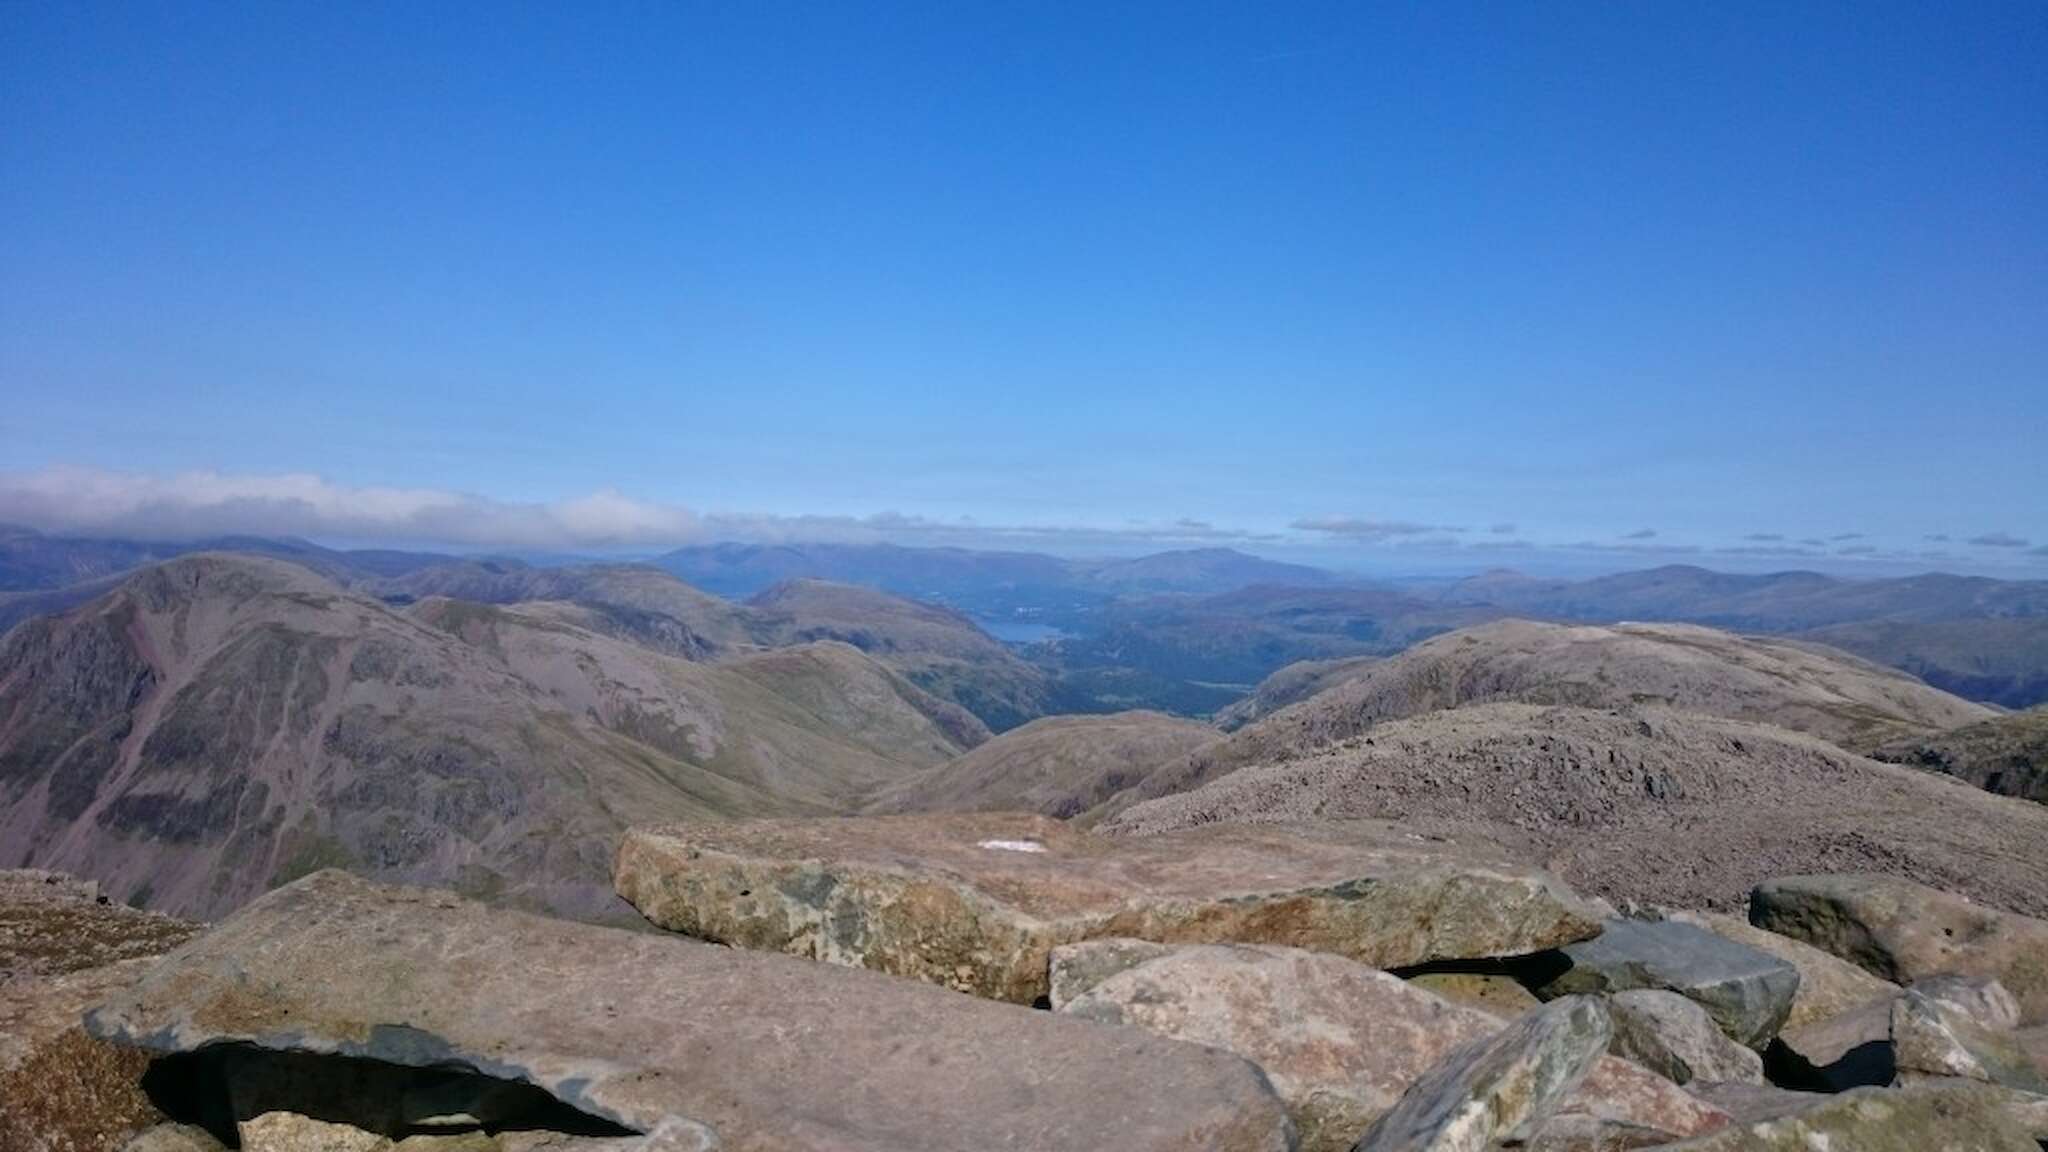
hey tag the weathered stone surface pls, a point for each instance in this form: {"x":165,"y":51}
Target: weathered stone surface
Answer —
{"x":173,"y":1138}
{"x":1676,"y":1039}
{"x":1568,"y":1133}
{"x":977,"y":901}
{"x":291,"y":1132}
{"x":1078,"y":967}
{"x":670,"y":1037}
{"x":1751,"y":1103}
{"x":61,"y":952}
{"x":1828,"y":985}
{"x":1931,"y":1037}
{"x":1747,"y":992}
{"x":1952,"y":1117}
{"x":1339,"y":1041}
{"x":1980,"y":998}
{"x":1322,"y":1027}
{"x":1481,"y":1092}
{"x":1502,"y":996}
{"x":1904,"y":931}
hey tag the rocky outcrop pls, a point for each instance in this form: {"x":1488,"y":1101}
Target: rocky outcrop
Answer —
{"x":1828,"y":985}
{"x":977,"y":902}
{"x":1748,"y":993}
{"x":1904,"y":931}
{"x":1676,"y":1039}
{"x":673,"y":1038}
{"x":1959,"y":1117}
{"x":2006,"y":754}
{"x":1647,"y":804}
{"x":1481,"y":1092}
{"x":1340,"y":1042}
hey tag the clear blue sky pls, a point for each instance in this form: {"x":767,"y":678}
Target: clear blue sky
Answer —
{"x":1708,"y":271}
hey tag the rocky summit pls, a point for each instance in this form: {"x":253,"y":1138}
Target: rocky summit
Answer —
{"x":699,"y":1046}
{"x":977,"y":902}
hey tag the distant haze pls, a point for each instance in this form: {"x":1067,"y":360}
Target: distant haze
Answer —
{"x":70,"y":501}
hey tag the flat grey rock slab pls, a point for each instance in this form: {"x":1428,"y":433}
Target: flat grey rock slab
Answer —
{"x":1905,"y":932}
{"x":1481,"y":1092}
{"x":1828,"y":984}
{"x":977,"y":901}
{"x":1748,"y":992}
{"x":679,"y":1040}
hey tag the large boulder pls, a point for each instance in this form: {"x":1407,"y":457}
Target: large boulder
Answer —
{"x":1862,"y":1047}
{"x":1483,"y":1091}
{"x":1676,"y":1039}
{"x":1340,"y":1042}
{"x":1953,"y":1117}
{"x":1747,"y":992}
{"x":977,"y":901}
{"x":1904,"y":931}
{"x":687,"y":1042}
{"x":1828,"y":985}
{"x":1933,"y":1038}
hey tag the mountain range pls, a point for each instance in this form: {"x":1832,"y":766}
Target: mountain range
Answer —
{"x":205,"y":727}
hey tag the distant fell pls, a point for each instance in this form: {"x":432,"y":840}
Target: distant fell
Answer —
{"x":219,"y":724}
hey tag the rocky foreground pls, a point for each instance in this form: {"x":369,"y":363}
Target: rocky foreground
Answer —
{"x":1005,"y":981}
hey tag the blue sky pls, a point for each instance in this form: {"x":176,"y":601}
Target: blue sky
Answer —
{"x":1346,"y":278}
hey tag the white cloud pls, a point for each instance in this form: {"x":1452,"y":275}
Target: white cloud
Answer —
{"x":192,"y":505}
{"x":197,"y":505}
{"x":1354,"y":528}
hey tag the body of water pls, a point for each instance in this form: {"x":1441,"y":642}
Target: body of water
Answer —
{"x":1014,"y":631}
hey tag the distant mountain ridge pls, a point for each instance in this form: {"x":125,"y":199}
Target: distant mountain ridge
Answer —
{"x":939,"y":649}
{"x":982,"y":582}
{"x":1980,"y":638}
{"x":1770,"y":602}
{"x":1793,"y":685}
{"x":220,"y":723}
{"x":1188,"y":631}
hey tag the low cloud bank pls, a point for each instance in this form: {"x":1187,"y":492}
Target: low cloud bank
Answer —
{"x":201,"y":505}
{"x":196,"y":505}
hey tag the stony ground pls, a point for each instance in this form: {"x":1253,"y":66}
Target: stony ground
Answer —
{"x":63,"y":951}
{"x":1648,"y":805}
